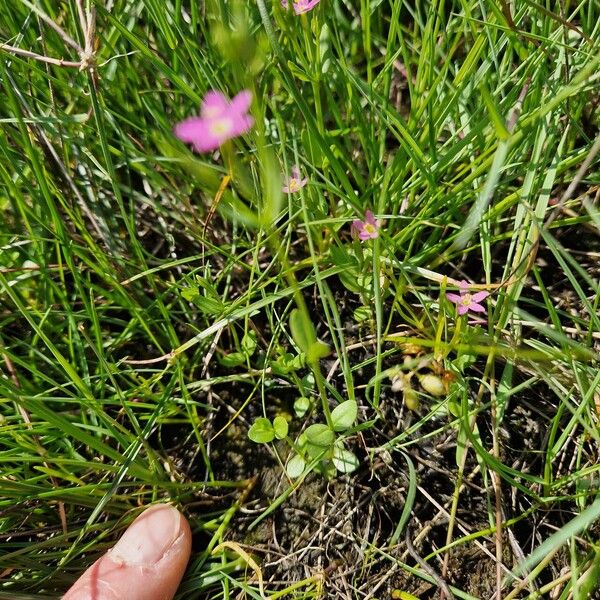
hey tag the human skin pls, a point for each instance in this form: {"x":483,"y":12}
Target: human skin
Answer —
{"x":147,"y":563}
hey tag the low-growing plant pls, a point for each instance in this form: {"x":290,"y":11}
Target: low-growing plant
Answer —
{"x":319,"y":447}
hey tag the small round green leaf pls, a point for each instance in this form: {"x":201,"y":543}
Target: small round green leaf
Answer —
{"x":295,"y":467}
{"x":301,"y":406}
{"x":344,"y":460}
{"x":280,"y":427}
{"x":362,"y":313}
{"x":344,"y":415}
{"x":348,"y":279}
{"x":261,"y":431}
{"x":317,"y":451}
{"x":319,"y":435}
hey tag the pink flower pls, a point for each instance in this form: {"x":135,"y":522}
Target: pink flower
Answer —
{"x":220,"y":120}
{"x":300,"y":6}
{"x":367,"y":229}
{"x":466,"y":301}
{"x":295,"y":182}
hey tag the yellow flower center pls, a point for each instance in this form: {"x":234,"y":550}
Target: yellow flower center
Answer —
{"x":220,"y":127}
{"x":466,"y":300}
{"x":294,"y":185}
{"x":370,"y":228}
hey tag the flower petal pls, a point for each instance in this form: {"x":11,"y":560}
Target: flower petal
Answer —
{"x":464,"y":285}
{"x":358,"y":224}
{"x":241,"y":124}
{"x":453,"y":297}
{"x":196,"y":131}
{"x":207,"y":144}
{"x":286,"y":189}
{"x":476,"y":307}
{"x":477,"y":321}
{"x":241,"y":102}
{"x":220,"y":121}
{"x":370,"y":218}
{"x":303,"y":6}
{"x":479,"y":296}
{"x":190,"y":129}
{"x":214,"y":105}
{"x":462,"y":309}
{"x":303,"y":182}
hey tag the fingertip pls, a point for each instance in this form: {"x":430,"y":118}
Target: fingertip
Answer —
{"x":147,"y":563}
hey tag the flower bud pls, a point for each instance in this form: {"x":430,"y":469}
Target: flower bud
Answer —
{"x":400,"y":381}
{"x":411,"y":399}
{"x":433,"y":385}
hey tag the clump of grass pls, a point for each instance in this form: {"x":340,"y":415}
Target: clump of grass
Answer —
{"x":156,"y":303}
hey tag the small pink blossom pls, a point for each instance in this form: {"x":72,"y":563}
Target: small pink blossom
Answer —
{"x":367,"y":229}
{"x":220,"y":120}
{"x":295,"y":182}
{"x":466,"y":301}
{"x":300,"y":6}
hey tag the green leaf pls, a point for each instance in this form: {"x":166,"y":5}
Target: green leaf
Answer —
{"x":344,"y":460}
{"x":235,"y":359}
{"x":327,"y":469}
{"x":344,"y":415}
{"x":362,"y":313}
{"x":261,"y":431}
{"x":317,"y":451}
{"x":320,"y":435}
{"x":315,"y":151}
{"x":298,"y":72}
{"x":236,"y":210}
{"x":272,"y":197}
{"x":280,"y":427}
{"x":302,"y":329}
{"x":497,"y":120}
{"x":301,"y":406}
{"x":317,"y":351}
{"x":403,"y":595}
{"x":560,"y":538}
{"x":287,"y":363}
{"x":190,"y":294}
{"x":249,"y":343}
{"x":341,"y":258}
{"x":295,"y":467}
{"x":349,"y":279}
{"x":209,"y":306}
{"x":297,"y":362}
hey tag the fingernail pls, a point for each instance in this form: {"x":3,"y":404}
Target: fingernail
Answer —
{"x":149,"y":537}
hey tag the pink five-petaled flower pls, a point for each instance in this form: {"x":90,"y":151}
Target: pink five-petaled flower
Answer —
{"x":466,"y":301}
{"x":300,"y":6}
{"x":367,"y":229}
{"x":220,"y":120}
{"x":295,"y":182}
